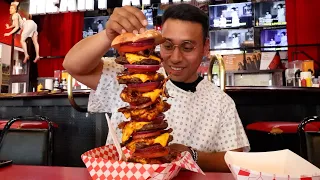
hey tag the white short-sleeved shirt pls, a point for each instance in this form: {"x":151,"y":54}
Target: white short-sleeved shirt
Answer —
{"x":206,"y":119}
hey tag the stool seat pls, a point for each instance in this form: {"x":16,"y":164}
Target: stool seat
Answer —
{"x":317,"y":123}
{"x":27,"y":124}
{"x":278,"y":127}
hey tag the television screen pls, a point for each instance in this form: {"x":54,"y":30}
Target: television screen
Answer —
{"x":270,"y":13}
{"x":149,"y":16}
{"x":218,"y":1}
{"x":230,"y":15}
{"x":226,"y":1}
{"x":231,"y":38}
{"x":94,"y":25}
{"x":274,"y":37}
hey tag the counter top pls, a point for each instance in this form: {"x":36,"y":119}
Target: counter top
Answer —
{"x":271,"y":89}
{"x":42,"y":95}
{"x":17,"y":172}
{"x":231,"y":89}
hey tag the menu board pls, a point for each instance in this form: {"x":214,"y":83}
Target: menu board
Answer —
{"x":237,"y":62}
{"x":233,"y":62}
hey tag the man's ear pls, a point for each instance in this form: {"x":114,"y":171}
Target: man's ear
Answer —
{"x":206,"y":50}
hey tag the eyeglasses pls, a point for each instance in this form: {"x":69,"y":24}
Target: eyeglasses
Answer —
{"x":184,"y":47}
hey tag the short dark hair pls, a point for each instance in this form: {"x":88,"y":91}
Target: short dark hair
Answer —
{"x":187,"y":12}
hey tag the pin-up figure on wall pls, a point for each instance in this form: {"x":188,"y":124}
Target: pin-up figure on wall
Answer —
{"x":28,"y":29}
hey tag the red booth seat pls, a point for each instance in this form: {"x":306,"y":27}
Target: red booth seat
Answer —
{"x":278,"y":127}
{"x":26,"y":125}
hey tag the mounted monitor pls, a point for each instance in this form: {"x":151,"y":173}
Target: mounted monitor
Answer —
{"x":230,"y":15}
{"x":230,"y":39}
{"x":274,"y":37}
{"x":94,"y":25}
{"x":149,"y":16}
{"x":270,"y":13}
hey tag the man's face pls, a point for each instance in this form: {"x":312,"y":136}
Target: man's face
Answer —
{"x":181,"y":65}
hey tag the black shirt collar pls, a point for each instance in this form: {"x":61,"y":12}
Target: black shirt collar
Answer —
{"x":188,"y":86}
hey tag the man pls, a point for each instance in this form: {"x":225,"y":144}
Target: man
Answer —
{"x":202,"y":116}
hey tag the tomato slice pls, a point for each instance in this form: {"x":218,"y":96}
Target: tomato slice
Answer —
{"x":158,"y":119}
{"x":128,"y":48}
{"x":146,"y":134}
{"x":144,"y":87}
{"x":132,"y":106}
{"x":136,"y":46}
{"x":142,"y":68}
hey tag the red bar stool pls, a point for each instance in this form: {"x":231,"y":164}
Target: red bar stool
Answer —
{"x":310,"y":141}
{"x":27,"y":140}
{"x":276,"y":135}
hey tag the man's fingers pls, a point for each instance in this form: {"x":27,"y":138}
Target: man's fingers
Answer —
{"x":126,"y":19}
{"x":124,"y":22}
{"x":116,"y":27}
{"x":132,"y":19}
{"x":139,"y":14}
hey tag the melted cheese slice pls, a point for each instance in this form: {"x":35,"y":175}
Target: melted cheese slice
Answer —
{"x":142,"y":77}
{"x":130,"y":128}
{"x":162,"y":139}
{"x":127,"y":114}
{"x":132,"y":58}
{"x":153,"y":95}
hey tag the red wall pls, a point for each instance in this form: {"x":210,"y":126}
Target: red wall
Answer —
{"x":5,"y":19}
{"x":59,"y":33}
{"x":303,"y":27}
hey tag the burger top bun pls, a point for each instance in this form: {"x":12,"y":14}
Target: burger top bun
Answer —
{"x":131,"y":37}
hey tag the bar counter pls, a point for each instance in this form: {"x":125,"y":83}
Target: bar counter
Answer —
{"x":229,"y":89}
{"x":82,"y":131}
{"x":17,"y":172}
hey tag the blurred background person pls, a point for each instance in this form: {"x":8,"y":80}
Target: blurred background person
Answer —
{"x":235,"y":17}
{"x":281,"y":14}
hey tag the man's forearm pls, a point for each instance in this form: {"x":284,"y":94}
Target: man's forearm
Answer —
{"x":86,"y":55}
{"x":212,"y":162}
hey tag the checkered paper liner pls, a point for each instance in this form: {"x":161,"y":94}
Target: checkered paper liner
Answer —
{"x":102,"y":163}
{"x":246,"y":174}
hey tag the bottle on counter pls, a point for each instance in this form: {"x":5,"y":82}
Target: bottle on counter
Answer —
{"x":64,"y":84}
{"x":56,"y":84}
{"x":306,"y":76}
{"x":39,"y":87}
{"x":303,"y":83}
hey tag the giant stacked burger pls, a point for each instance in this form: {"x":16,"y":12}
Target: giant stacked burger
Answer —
{"x":146,"y":132}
